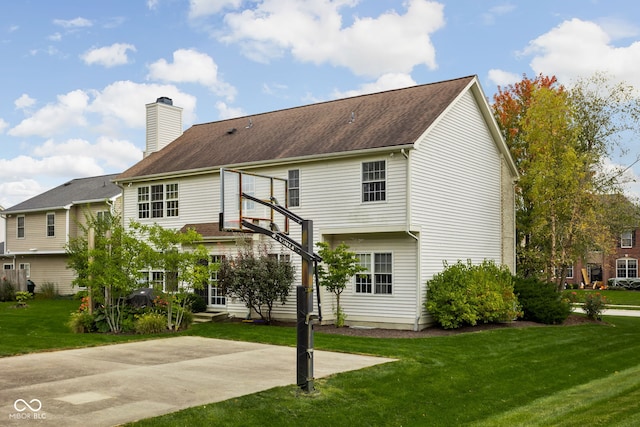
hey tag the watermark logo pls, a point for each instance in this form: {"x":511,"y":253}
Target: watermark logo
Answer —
{"x":27,"y":410}
{"x":21,"y":405}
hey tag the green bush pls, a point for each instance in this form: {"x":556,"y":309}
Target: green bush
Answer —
{"x":151,"y":323}
{"x":48,"y":290}
{"x":7,"y":290}
{"x":81,"y":322}
{"x":593,"y":305}
{"x":197,"y":303}
{"x":466,"y":294}
{"x":541,"y":302}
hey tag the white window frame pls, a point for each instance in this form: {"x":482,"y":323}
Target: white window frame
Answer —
{"x":7,"y":266}
{"x":626,"y":268}
{"x":376,"y":178}
{"x":293,"y":183}
{"x":25,"y":266}
{"x":626,"y":239}
{"x":159,"y":201}
{"x":215,"y":297}
{"x":372,"y":278}
{"x":50,"y":226}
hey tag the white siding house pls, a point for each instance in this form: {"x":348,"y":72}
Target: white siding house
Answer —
{"x":445,"y":194}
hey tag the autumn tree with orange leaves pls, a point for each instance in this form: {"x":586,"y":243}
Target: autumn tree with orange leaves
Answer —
{"x":559,"y":139}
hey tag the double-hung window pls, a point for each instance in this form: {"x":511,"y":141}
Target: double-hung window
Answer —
{"x":51,"y":224}
{"x":377,"y":276}
{"x":374,"y":181}
{"x":626,"y":239}
{"x":20,"y":225}
{"x":294,"y":187}
{"x":627,"y":267}
{"x":158,"y":201}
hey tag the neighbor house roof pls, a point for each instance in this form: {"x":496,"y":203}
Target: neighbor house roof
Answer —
{"x":76,"y":191}
{"x":395,"y":118}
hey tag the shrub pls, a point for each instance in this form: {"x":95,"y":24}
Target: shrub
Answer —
{"x":7,"y":290}
{"x":48,"y":290}
{"x":151,"y":323}
{"x":465,"y":294}
{"x":541,"y":302}
{"x":594,"y":304}
{"x":22,"y":297}
{"x":197,"y":303}
{"x":81,"y":322}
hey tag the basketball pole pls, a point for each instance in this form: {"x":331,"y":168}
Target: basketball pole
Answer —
{"x":305,"y":322}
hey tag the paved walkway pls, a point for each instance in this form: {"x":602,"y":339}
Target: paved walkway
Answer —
{"x":615,"y":311}
{"x":115,"y":384}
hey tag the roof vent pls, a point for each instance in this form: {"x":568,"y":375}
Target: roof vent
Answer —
{"x":231,"y":131}
{"x":164,"y":100}
{"x":353,"y":117}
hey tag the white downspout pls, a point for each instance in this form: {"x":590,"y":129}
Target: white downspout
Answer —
{"x":416,"y":323}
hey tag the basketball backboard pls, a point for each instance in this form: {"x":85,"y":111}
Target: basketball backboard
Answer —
{"x":237,"y":188}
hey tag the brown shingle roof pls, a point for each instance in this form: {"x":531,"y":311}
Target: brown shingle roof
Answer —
{"x":385,"y":119}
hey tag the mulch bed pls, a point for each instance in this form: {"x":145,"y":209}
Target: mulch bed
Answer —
{"x":435,"y":331}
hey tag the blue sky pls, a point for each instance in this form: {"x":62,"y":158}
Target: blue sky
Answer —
{"x":76,"y":74}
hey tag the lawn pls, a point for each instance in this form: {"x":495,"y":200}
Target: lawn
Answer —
{"x":547,"y":375}
{"x":617,"y":297}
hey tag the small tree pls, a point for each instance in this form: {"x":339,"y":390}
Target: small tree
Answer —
{"x":341,"y":266}
{"x":179,"y":255}
{"x":257,"y":280}
{"x":111,"y":268}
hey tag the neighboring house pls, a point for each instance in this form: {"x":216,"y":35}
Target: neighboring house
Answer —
{"x":38,"y":229}
{"x":599,"y":268}
{"x":3,"y":227}
{"x":408,"y":178}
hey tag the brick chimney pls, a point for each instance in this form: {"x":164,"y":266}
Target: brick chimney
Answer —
{"x":164,"y":124}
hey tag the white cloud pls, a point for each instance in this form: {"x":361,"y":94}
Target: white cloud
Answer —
{"x":227,"y":112}
{"x":73,"y":23}
{"x":313,"y":32}
{"x":3,"y":125}
{"x":108,"y":56}
{"x":112,"y":153}
{"x":15,"y":191}
{"x":489,"y":17}
{"x":55,"y":118}
{"x":503,"y":78}
{"x":25,"y":101}
{"x":59,"y":165}
{"x":385,"y":82}
{"x":202,"y":8}
{"x":579,"y":48}
{"x":191,"y":66}
{"x":152,"y":4}
{"x":55,"y":37}
{"x":126,"y":100}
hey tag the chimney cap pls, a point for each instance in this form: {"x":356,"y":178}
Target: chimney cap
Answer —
{"x":164,"y":100}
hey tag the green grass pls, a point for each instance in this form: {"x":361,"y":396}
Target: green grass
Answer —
{"x":590,"y":374}
{"x":619,"y":297}
{"x":547,"y":375}
{"x":42,"y":326}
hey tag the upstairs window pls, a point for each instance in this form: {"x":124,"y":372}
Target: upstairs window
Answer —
{"x":626,"y":240}
{"x":20,"y":227}
{"x":143,"y":202}
{"x":51,"y":224}
{"x":158,"y":201}
{"x":374,"y":181}
{"x":294,"y":188}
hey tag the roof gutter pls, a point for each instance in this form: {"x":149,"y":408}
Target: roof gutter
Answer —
{"x":44,"y":208}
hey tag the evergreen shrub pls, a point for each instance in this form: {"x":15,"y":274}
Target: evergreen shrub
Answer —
{"x":541,"y":302}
